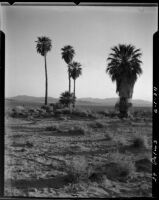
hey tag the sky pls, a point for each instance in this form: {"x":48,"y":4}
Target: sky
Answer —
{"x":92,"y":31}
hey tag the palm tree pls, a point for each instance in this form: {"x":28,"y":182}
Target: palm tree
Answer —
{"x":43,"y":46}
{"x":67,"y":54}
{"x":66,"y":98}
{"x":75,"y":72}
{"x":124,"y":67}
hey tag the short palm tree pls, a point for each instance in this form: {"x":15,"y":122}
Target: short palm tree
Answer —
{"x":124,"y":67}
{"x":75,"y":72}
{"x":43,"y":46}
{"x":67,"y":54}
{"x":66,"y":98}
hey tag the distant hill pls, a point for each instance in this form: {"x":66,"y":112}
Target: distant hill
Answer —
{"x":81,"y":101}
{"x":112,"y":101}
{"x":25,"y":98}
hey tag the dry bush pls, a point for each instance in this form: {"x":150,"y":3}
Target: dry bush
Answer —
{"x":77,"y":130}
{"x":112,"y":114}
{"x":62,"y":111}
{"x":139,"y":142}
{"x":29,"y":144}
{"x":77,"y":169}
{"x":108,"y":136}
{"x":47,"y":108}
{"x":66,"y":111}
{"x":109,"y":113}
{"x":80,"y":113}
{"x":142,"y":113}
{"x":58,"y":112}
{"x":105,"y":113}
{"x":96,"y":125}
{"x":52,"y":128}
{"x":83,"y":113}
{"x":19,"y":114}
{"x":143,"y":165}
{"x":119,"y":167}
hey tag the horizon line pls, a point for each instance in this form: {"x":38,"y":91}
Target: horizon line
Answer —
{"x":79,"y":97}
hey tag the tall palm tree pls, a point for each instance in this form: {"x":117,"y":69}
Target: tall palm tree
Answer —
{"x":67,"y":54}
{"x":43,"y":46}
{"x":75,"y":72}
{"x":124,"y":67}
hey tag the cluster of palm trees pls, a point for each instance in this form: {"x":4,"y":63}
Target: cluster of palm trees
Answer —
{"x":124,"y":66}
{"x":43,"y":46}
{"x":74,"y":71}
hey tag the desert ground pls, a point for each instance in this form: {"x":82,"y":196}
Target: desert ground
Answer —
{"x":87,"y":153}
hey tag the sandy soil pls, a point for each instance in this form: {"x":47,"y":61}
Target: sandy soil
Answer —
{"x":82,"y":157}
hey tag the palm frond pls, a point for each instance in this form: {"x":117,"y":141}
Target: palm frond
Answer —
{"x":43,"y":45}
{"x":67,"y":53}
{"x":75,"y":70}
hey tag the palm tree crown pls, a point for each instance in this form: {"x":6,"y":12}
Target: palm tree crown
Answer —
{"x":67,"y":53}
{"x":43,"y":45}
{"x":66,"y":98}
{"x":124,"y":62}
{"x":75,"y":70}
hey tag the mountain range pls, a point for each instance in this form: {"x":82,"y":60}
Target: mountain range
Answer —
{"x":80,"y":101}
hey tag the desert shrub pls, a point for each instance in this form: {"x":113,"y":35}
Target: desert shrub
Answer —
{"x":13,"y":114}
{"x":120,"y":166}
{"x":136,"y":113}
{"x":108,"y":137}
{"x":83,"y":113}
{"x":18,"y":109}
{"x":19,"y":112}
{"x":47,"y":108}
{"x":29,"y":144}
{"x":80,"y":113}
{"x":103,"y":112}
{"x":61,"y":117}
{"x":96,"y":125}
{"x":76,"y":130}
{"x":57,"y":105}
{"x":58,"y":112}
{"x":119,"y":170}
{"x":52,"y":128}
{"x":139,"y":142}
{"x":39,"y":110}
{"x":64,"y":111}
{"x":92,"y":115}
{"x":95,"y":174}
{"x":16,"y":114}
{"x":77,"y":169}
{"x":112,"y":113}
{"x":32,"y":110}
{"x":109,"y":113}
{"x":143,"y":165}
{"x":142,"y":113}
{"x":106,"y":113}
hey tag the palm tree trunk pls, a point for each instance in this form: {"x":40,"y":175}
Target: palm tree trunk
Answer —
{"x":123,"y":107}
{"x":46,"y":82}
{"x":74,"y":92}
{"x":69,"y":78}
{"x":125,"y":94}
